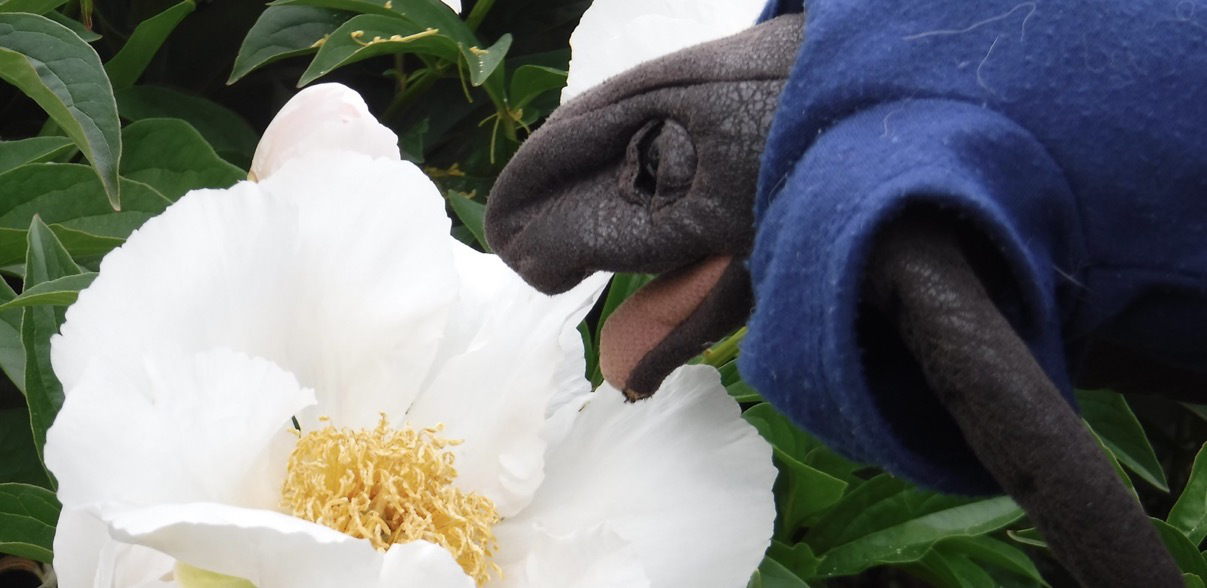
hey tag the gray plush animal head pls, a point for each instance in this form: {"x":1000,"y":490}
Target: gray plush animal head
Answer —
{"x":654,"y":171}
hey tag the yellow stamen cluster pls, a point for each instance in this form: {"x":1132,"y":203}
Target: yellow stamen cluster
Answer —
{"x":391,"y":486}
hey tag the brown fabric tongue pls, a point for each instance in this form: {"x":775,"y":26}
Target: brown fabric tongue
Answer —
{"x":647,"y":317}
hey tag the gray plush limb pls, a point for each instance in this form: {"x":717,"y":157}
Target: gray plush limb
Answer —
{"x":1014,"y":419}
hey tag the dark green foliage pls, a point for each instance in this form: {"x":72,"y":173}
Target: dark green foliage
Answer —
{"x":194,"y":83}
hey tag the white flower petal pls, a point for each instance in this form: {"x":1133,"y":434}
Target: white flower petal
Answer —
{"x":680,"y":477}
{"x":85,"y":555}
{"x":387,"y":281}
{"x":275,"y":550}
{"x":420,"y":563}
{"x":338,"y":269}
{"x":454,"y":4}
{"x":615,"y":35}
{"x":206,"y":427}
{"x":593,"y":558}
{"x":323,"y":117}
{"x":561,"y":422}
{"x":509,"y":350}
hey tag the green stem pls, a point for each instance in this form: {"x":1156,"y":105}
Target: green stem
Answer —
{"x":723,"y":352}
{"x":509,"y":126}
{"x":478,"y":13}
{"x":402,"y":74}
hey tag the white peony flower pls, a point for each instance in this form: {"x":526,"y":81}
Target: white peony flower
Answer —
{"x":305,"y":381}
{"x":615,"y":35}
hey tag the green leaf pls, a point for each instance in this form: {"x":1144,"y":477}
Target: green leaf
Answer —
{"x":954,"y":569}
{"x":129,"y":63}
{"x":61,"y":291}
{"x":807,"y":491}
{"x":463,"y":235}
{"x":530,"y":81}
{"x":30,"y":6}
{"x":845,"y":521}
{"x":1110,"y":455}
{"x":12,"y":353}
{"x":47,"y":260}
{"x":285,"y":31}
{"x":885,"y":521}
{"x":89,"y":248}
{"x":1028,"y":537}
{"x":60,"y":72}
{"x":482,"y":63}
{"x":28,"y":515}
{"x":230,"y":136}
{"x":20,"y":463}
{"x":741,"y":391}
{"x":411,"y":141}
{"x":370,"y":35}
{"x":74,"y":26}
{"x":1185,"y":553}
{"x":1189,"y":513}
{"x":17,"y":153}
{"x":70,"y":198}
{"x":803,"y":447}
{"x":779,"y":431}
{"x":425,"y":27}
{"x":797,"y":559}
{"x":802,"y":490}
{"x":994,"y":552}
{"x":1117,"y":427}
{"x":171,"y":156}
{"x":1193,"y":581}
{"x":909,"y":540}
{"x":484,"y":71}
{"x":471,"y":214}
{"x":425,"y":13}
{"x":771,"y":574}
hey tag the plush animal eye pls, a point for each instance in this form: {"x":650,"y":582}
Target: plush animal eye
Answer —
{"x":649,"y":154}
{"x":660,"y":163}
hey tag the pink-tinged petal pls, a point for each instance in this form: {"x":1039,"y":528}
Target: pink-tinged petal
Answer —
{"x":680,"y":477}
{"x":323,"y":117}
{"x":205,"y":427}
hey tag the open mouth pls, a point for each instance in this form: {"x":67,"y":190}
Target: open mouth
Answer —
{"x":670,"y":320}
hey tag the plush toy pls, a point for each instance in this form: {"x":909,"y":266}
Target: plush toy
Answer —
{"x":944,"y":215}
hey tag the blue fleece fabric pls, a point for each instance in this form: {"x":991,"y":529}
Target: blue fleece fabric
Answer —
{"x":1070,"y":135}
